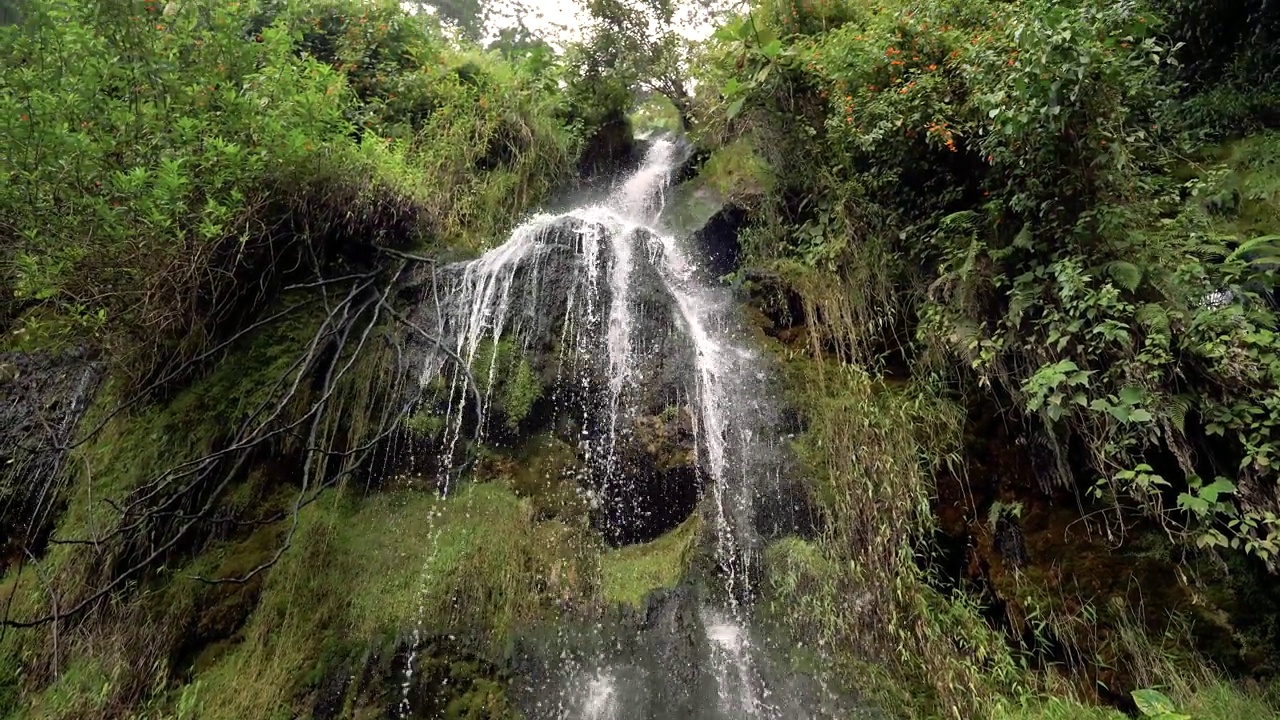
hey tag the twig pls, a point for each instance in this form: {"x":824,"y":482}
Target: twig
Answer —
{"x":407,"y":256}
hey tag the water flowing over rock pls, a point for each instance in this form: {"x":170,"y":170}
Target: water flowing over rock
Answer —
{"x":42,"y":399}
{"x":624,"y":348}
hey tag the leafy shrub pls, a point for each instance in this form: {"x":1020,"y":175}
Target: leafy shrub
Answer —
{"x":986,"y":182}
{"x":159,"y":162}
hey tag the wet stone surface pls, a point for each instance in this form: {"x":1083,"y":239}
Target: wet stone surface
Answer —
{"x":42,"y":399}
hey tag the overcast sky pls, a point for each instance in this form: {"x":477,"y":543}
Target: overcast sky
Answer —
{"x":559,"y":21}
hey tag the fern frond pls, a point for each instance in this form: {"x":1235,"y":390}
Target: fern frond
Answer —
{"x":1177,"y":408}
{"x":1125,"y":274}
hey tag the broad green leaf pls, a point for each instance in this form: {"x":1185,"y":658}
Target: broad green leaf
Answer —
{"x":1220,"y":486}
{"x":1130,"y":395}
{"x":736,"y":107}
{"x":1152,"y":703}
{"x":1193,"y":504}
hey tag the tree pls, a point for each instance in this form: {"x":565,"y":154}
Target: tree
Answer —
{"x":645,"y":44}
{"x":10,"y":12}
{"x":468,"y":16}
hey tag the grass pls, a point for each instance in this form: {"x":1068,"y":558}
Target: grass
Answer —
{"x":630,"y":573}
{"x":1211,"y":699}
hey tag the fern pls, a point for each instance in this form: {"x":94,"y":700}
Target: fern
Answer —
{"x":1260,"y":250}
{"x":1125,"y":274}
{"x":1155,"y":318}
{"x":1177,"y":407}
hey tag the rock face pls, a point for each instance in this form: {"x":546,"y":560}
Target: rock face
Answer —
{"x":670,"y":659}
{"x":554,"y":305}
{"x":42,"y":399}
{"x":434,"y":677}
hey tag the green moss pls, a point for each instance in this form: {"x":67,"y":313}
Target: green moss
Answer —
{"x":1252,"y":167}
{"x":545,"y":472}
{"x":476,"y":566}
{"x":425,"y":424}
{"x":629,"y":574}
{"x":505,"y":376}
{"x":736,"y":170}
{"x":732,"y":174}
{"x":137,"y":446}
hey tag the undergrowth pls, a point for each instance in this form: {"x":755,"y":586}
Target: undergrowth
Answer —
{"x":986,"y":207}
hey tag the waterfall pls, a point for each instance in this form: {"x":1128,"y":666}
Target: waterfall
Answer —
{"x":585,"y":282}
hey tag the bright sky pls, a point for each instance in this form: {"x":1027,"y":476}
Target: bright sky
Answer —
{"x":558,"y":21}
{"x":548,"y":18}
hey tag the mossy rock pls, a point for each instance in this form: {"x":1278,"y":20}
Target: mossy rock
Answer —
{"x":395,"y":676}
{"x":546,"y":472}
{"x":630,"y":574}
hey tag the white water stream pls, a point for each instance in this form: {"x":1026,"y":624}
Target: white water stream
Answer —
{"x":496,"y":297}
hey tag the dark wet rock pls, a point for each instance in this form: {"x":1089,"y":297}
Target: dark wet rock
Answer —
{"x":665,"y":661}
{"x":717,"y":240}
{"x":638,"y":456}
{"x":43,"y":397}
{"x":433,"y":677}
{"x":610,"y":149}
{"x":1010,"y":542}
{"x":786,"y":507}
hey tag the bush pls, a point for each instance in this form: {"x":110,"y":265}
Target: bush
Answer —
{"x":162,"y":166}
{"x":985,"y":183}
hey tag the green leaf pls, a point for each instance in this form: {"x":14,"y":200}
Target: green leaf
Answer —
{"x":1152,"y":703}
{"x":1220,"y":486}
{"x":736,"y":107}
{"x":1131,"y":395}
{"x":772,"y":50}
{"x":1140,"y":415}
{"x":1193,"y":504}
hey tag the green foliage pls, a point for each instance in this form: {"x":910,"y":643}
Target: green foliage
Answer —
{"x":1227,"y":64}
{"x":858,"y":593}
{"x":984,"y":183}
{"x":150,"y":157}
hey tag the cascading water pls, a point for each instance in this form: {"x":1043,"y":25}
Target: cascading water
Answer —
{"x":632,"y":306}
